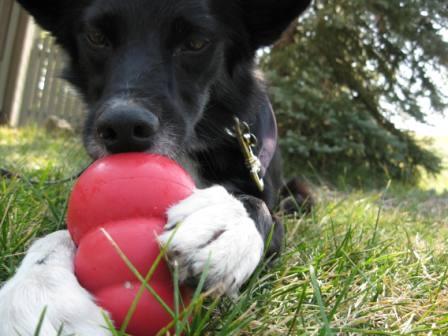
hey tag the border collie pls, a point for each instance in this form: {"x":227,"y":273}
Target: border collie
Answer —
{"x":178,"y":78}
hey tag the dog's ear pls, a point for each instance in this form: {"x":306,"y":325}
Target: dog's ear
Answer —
{"x":266,"y":20}
{"x":47,"y":13}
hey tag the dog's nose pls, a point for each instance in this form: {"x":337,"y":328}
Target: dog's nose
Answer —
{"x":127,"y":130}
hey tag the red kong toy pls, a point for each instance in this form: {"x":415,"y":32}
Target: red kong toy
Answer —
{"x":126,"y":197}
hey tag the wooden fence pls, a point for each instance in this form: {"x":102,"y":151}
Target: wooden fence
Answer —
{"x":45,"y":92}
{"x":31,"y":87}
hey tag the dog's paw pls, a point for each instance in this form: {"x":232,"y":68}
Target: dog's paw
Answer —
{"x":45,"y":281}
{"x":212,"y":232}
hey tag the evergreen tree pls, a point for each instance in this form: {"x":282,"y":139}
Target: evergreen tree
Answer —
{"x":340,"y":75}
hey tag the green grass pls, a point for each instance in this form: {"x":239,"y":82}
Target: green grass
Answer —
{"x":364,"y":263}
{"x":34,"y":151}
{"x":438,"y":183}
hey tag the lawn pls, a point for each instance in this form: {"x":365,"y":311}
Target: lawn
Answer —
{"x":363,"y":263}
{"x":438,"y":183}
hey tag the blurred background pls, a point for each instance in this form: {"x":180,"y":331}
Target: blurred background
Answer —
{"x":360,"y":89}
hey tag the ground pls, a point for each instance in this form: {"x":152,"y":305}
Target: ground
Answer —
{"x":363,"y":263}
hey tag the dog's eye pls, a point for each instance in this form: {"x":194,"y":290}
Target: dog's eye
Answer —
{"x":97,"y":39}
{"x":196,"y":44}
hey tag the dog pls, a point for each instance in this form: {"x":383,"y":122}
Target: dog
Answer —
{"x":177,"y":78}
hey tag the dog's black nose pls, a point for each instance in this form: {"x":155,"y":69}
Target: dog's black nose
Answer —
{"x":127,"y":130}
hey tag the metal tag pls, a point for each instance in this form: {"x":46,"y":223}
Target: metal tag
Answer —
{"x":248,"y":141}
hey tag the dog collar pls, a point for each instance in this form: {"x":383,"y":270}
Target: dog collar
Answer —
{"x":265,"y":144}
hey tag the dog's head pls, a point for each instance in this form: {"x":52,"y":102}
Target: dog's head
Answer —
{"x":150,"y":70}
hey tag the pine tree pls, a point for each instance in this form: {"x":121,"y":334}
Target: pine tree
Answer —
{"x":344,"y":70}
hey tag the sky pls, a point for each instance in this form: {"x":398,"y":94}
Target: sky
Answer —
{"x":437,"y":126}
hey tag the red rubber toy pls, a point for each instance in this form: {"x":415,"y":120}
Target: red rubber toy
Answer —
{"x":127,"y":195}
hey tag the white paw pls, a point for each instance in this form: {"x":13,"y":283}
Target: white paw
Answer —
{"x":45,"y":279}
{"x":215,"y":233}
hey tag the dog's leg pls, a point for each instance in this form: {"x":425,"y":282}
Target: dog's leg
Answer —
{"x":296,"y":198}
{"x":215,"y":234}
{"x":46,"y":280}
{"x":269,"y":226}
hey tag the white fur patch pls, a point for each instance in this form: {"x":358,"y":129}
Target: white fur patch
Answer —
{"x":46,"y":279}
{"x":215,"y":231}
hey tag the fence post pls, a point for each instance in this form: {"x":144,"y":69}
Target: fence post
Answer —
{"x":9,"y":17}
{"x":22,"y":71}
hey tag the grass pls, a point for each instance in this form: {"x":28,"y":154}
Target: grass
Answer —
{"x":364,"y":263}
{"x":438,"y":183}
{"x":34,"y":151}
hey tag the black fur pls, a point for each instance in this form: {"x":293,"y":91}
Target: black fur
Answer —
{"x":141,"y":53}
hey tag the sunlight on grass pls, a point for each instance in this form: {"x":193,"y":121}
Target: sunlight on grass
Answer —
{"x":360,"y":266}
{"x":438,"y":183}
{"x":363,"y":263}
{"x":31,"y":150}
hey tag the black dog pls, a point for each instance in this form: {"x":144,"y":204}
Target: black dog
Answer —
{"x":176,"y":78}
